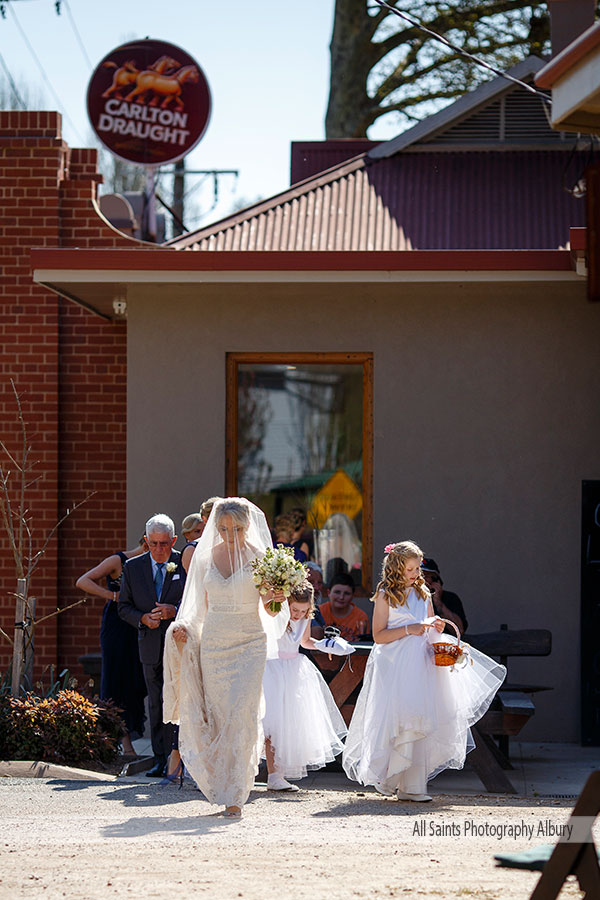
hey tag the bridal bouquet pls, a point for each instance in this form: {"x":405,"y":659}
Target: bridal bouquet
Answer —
{"x":278,"y":571}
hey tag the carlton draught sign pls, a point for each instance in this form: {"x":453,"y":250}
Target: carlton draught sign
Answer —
{"x":148,"y":102}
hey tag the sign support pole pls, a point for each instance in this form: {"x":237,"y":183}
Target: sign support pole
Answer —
{"x":149,"y":224}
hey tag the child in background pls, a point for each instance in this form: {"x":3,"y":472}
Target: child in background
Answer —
{"x":412,"y":718}
{"x":341,"y":611}
{"x":302,"y":725}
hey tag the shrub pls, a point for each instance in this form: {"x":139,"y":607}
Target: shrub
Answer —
{"x":67,"y":728}
{"x":21,"y":735}
{"x":62,"y":682}
{"x":111,"y":729}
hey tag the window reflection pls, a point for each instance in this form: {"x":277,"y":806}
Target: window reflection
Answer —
{"x":300,"y":433}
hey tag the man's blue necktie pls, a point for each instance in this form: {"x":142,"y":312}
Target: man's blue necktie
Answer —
{"x":159,"y":579}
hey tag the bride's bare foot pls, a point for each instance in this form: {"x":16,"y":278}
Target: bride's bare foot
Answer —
{"x":233,"y":812}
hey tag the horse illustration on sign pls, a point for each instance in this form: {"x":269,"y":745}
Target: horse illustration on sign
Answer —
{"x":166,"y":86}
{"x":127,"y":74}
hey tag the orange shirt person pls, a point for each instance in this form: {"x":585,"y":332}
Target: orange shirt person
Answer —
{"x":341,"y":611}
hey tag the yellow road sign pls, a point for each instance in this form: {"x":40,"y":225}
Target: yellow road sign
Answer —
{"x":338,"y":495}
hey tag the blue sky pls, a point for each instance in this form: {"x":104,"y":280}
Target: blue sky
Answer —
{"x":267,"y":64}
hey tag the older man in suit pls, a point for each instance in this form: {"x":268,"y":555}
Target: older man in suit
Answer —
{"x":151,"y":591}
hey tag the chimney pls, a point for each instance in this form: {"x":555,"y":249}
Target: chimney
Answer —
{"x":569,"y":19}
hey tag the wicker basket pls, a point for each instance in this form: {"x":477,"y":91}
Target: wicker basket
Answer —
{"x":444,"y":653}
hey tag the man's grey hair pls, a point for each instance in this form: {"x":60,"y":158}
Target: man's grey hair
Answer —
{"x":313,"y":565}
{"x":160,"y":522}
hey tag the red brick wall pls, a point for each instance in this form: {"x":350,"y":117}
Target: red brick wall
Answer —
{"x":70,"y":368}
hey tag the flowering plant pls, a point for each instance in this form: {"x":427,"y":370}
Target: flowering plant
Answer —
{"x":278,"y":571}
{"x":171,"y":567}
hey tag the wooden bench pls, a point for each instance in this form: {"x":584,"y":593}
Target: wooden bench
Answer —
{"x":577,"y":857}
{"x":512,"y":707}
{"x":348,"y":677}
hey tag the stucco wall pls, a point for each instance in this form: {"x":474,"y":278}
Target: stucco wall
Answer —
{"x":485,"y":423}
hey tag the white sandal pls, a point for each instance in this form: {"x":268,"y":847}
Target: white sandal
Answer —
{"x":278,"y":783}
{"x":416,"y":798}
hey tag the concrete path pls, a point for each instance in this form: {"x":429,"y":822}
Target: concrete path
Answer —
{"x":63,"y":837}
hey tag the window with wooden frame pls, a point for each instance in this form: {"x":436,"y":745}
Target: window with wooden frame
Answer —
{"x":299,"y":443}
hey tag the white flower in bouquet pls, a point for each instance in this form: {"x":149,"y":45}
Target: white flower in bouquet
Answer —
{"x":278,"y":571}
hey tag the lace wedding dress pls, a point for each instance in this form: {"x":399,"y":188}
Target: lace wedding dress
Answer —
{"x":213,"y":680}
{"x":220,"y":713}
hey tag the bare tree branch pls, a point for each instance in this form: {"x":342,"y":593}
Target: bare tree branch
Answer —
{"x":60,"y":610}
{"x":15,"y":517}
{"x":8,"y":638}
{"x":374,"y":57}
{"x":34,"y":562}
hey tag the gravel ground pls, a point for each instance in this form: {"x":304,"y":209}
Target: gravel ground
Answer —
{"x":78,"y":839}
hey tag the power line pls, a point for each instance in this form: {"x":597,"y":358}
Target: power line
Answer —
{"x":13,"y":86}
{"x":61,"y":106}
{"x":77,"y":35}
{"x":479,"y":62}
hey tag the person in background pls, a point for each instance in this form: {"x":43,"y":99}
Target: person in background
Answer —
{"x":446,"y":604}
{"x":151,"y":590}
{"x":314,"y":575}
{"x":122,"y":679}
{"x":284,"y":533}
{"x":335,"y":566}
{"x":341,"y":611}
{"x":301,"y":538}
{"x":192,"y":528}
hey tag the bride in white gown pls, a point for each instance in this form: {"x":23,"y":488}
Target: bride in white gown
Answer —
{"x":215,"y":655}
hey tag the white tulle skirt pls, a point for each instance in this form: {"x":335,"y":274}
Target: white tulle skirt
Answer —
{"x":412,"y":718}
{"x":301,"y":719}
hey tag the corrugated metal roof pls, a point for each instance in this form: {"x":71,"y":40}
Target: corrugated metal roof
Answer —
{"x":413,"y":201}
{"x":486,"y":172}
{"x":309,"y":157}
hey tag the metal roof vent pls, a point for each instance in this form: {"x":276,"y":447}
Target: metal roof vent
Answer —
{"x":516,"y":118}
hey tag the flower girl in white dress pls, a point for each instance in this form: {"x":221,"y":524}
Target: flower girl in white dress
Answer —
{"x":302,"y":725}
{"x":412,"y":718}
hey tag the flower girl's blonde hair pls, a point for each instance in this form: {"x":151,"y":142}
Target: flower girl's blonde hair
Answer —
{"x":393,"y":581}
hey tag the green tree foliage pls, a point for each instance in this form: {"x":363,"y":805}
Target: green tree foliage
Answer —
{"x":382,"y":65}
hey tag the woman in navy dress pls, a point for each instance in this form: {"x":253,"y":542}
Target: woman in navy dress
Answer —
{"x":122,"y":678}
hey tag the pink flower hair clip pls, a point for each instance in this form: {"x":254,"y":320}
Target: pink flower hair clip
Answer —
{"x":389,"y":547}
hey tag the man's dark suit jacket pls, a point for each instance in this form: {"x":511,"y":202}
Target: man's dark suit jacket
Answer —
{"x":138,"y":596}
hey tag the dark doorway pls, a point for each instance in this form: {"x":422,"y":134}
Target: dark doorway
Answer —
{"x":590,"y":614}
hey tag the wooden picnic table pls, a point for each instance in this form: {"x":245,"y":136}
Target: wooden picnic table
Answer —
{"x":348,"y":677}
